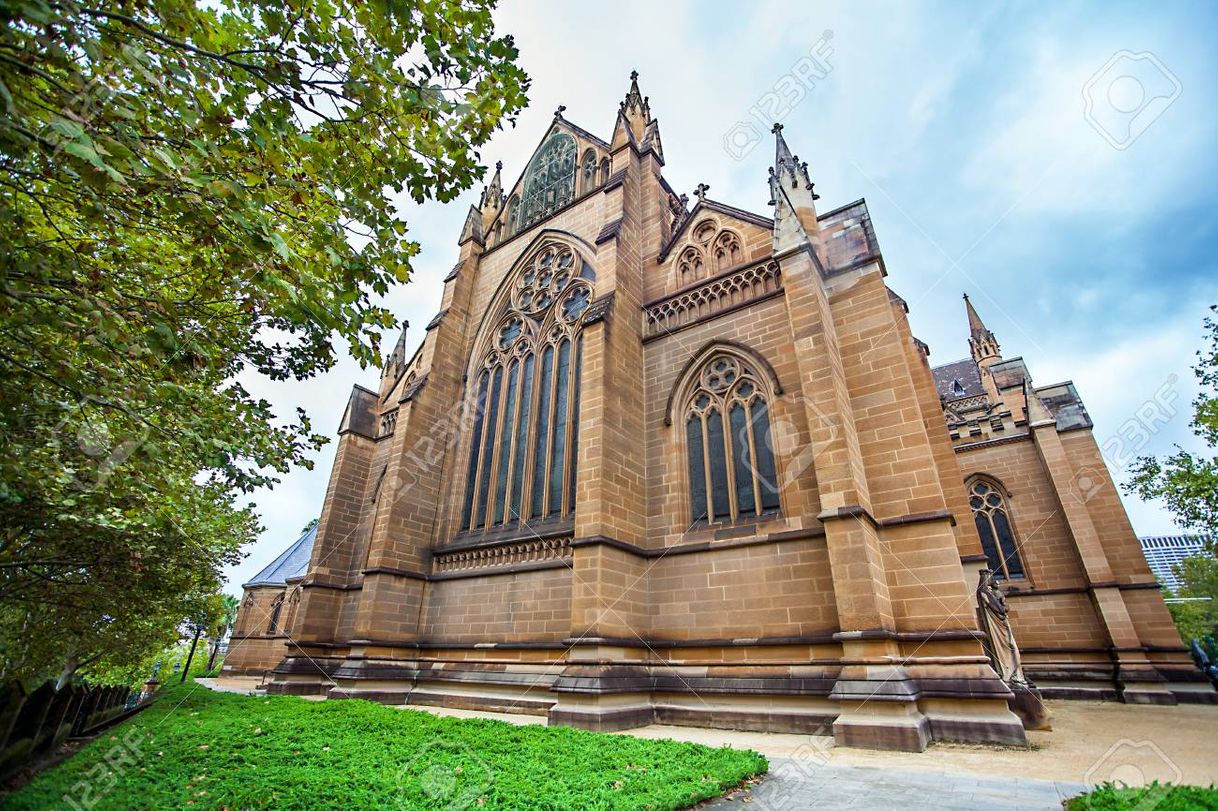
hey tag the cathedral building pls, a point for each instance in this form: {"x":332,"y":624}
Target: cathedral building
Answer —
{"x":687,"y":464}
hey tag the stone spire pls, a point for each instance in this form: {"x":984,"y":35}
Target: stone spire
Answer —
{"x":788,"y":173}
{"x":633,"y":114}
{"x":792,"y":195}
{"x":982,"y":343}
{"x":492,"y":194}
{"x":397,"y":358}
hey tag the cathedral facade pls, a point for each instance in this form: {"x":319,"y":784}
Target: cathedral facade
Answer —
{"x":667,"y":463}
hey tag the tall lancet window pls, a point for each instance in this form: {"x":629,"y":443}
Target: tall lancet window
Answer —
{"x":731,"y":467}
{"x":525,"y":428}
{"x":993,"y":519}
{"x":549,"y":182}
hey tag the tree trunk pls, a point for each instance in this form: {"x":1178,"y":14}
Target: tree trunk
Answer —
{"x":193,"y":644}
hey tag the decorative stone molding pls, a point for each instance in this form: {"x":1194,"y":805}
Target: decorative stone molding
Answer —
{"x":609,"y":231}
{"x":509,"y":554}
{"x":598,"y":310}
{"x":413,"y":388}
{"x":435,"y":322}
{"x":713,"y":296}
{"x":389,"y":421}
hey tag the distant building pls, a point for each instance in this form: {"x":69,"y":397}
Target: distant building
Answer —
{"x":1165,"y":551}
{"x":268,"y":610}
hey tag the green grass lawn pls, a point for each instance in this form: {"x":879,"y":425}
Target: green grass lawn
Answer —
{"x":1154,"y":797}
{"x":198,"y":749}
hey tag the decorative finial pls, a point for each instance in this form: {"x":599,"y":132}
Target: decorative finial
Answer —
{"x":777,"y":128}
{"x":700,"y":191}
{"x":558,"y":113}
{"x":634,"y":75}
{"x":498,"y":166}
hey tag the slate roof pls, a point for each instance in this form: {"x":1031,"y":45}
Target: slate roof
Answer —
{"x":292,"y":562}
{"x":965,"y":372}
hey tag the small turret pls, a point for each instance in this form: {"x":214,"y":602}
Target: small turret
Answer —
{"x":633,"y":118}
{"x":793,"y":196}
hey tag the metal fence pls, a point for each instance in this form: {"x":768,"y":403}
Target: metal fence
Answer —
{"x":33,"y":724}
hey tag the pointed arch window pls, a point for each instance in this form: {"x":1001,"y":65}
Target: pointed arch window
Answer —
{"x":525,"y":430}
{"x":993,"y":517}
{"x":588,"y":172}
{"x":731,"y":467}
{"x":549,"y":182}
{"x":272,"y":627}
{"x":690,"y":264}
{"x":728,"y":252}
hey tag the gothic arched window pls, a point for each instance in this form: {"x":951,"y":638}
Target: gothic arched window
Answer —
{"x":272,"y":627}
{"x":689,"y":265}
{"x":993,"y":518}
{"x":604,"y":170}
{"x":732,"y":472}
{"x":727,"y":250}
{"x":549,"y":182}
{"x":514,"y":214}
{"x":525,"y":431}
{"x":588,"y":172}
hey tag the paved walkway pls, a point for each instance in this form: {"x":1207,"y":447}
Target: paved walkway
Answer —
{"x":794,"y":785}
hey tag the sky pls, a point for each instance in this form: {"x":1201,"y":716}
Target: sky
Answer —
{"x":1055,"y":161}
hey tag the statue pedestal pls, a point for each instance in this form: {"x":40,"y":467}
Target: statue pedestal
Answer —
{"x":1029,"y":705}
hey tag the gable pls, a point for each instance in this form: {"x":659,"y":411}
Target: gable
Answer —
{"x":714,"y":238}
{"x":567,"y":163}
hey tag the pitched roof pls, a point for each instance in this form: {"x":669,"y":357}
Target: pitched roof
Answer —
{"x":292,"y":562}
{"x":962,"y":372}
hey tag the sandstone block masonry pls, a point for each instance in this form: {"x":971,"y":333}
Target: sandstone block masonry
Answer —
{"x":688,"y":464}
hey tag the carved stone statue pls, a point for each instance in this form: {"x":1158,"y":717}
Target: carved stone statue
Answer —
{"x":994,"y":617}
{"x":996,"y":624}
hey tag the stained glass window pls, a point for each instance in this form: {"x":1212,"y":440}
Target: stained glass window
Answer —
{"x":488,"y":452}
{"x":549,"y":182}
{"x":525,"y":433}
{"x":475,"y":446}
{"x":990,"y":513}
{"x":727,"y":437}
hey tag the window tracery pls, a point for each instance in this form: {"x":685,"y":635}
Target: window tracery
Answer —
{"x":992,"y":516}
{"x":690,"y":264}
{"x":711,"y":249}
{"x":588,"y":172}
{"x":728,"y":252}
{"x":526,"y":405}
{"x":729,"y":451}
{"x":549,"y":182}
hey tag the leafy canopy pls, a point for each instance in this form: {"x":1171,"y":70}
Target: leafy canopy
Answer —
{"x":1188,"y":483}
{"x":192,"y":194}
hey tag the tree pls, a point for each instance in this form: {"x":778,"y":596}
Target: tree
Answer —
{"x":193,"y":195}
{"x":1188,"y":483}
